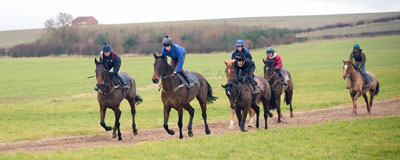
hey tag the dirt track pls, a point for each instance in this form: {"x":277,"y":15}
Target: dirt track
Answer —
{"x":380,"y":109}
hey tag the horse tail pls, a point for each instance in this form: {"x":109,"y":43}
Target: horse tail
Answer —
{"x":376,"y":89}
{"x":272,"y":102}
{"x":287,"y":98}
{"x":138,"y":100}
{"x":210,"y":97}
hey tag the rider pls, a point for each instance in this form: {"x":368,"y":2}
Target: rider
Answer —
{"x":272,"y":55}
{"x":244,"y":69}
{"x":178,"y":55}
{"x":359,"y":57}
{"x":241,"y":49}
{"x":112,"y":60}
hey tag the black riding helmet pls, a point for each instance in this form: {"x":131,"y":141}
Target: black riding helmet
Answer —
{"x":240,"y":57}
{"x":167,"y":41}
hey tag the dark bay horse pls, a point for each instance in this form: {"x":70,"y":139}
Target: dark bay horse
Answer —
{"x":175,"y":95}
{"x":240,"y":97}
{"x":111,"y":97}
{"x":278,"y":88}
{"x":230,"y":73}
{"x":356,"y":85}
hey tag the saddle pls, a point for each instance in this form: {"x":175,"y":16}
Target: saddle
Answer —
{"x":190,"y":78}
{"x":118,"y":81}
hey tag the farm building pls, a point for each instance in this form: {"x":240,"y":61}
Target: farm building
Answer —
{"x":82,"y":21}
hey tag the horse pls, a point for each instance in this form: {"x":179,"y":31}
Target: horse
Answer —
{"x":278,"y":88}
{"x":176,"y":95}
{"x":356,"y":85}
{"x":109,"y":96}
{"x":241,"y":98}
{"x":229,"y":72}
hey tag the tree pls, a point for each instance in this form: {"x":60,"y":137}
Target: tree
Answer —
{"x":60,"y":30}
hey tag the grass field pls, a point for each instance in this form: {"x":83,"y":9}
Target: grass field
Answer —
{"x":51,"y":97}
{"x":357,"y":139}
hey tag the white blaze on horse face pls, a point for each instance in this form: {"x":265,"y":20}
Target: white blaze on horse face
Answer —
{"x":345,"y":68}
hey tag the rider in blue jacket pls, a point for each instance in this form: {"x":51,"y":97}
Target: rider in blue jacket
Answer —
{"x":178,"y":55}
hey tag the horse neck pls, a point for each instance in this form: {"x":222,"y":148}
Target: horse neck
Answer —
{"x":355,"y":76}
{"x":107,"y":80}
{"x":170,"y":83}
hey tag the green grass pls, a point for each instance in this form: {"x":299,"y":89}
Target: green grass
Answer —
{"x":38,"y":95}
{"x":380,"y":27}
{"x":357,"y":139}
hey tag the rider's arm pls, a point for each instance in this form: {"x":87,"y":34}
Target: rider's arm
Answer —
{"x":117,"y":64}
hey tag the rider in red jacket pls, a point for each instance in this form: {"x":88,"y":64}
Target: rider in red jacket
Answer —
{"x":272,"y":55}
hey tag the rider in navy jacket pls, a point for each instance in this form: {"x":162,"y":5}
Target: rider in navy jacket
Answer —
{"x":241,"y":49}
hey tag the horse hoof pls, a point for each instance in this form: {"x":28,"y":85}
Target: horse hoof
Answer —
{"x":135,"y":132}
{"x":114,"y":135}
{"x":180,"y":137}
{"x":291,"y":115}
{"x":243,"y":130}
{"x":119,"y":139}
{"x":171,"y":132}
{"x":257,"y":125}
{"x":208,"y":131}
{"x":108,"y":128}
{"x":279,"y":121}
{"x":270,"y":115}
{"x":190,"y":134}
{"x":354,"y":112}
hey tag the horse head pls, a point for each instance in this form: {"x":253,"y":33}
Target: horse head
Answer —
{"x":101,"y":73}
{"x":268,"y":69}
{"x":229,"y":70}
{"x":161,"y":68}
{"x":348,"y":68}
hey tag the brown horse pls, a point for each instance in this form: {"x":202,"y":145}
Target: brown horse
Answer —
{"x":175,"y":95}
{"x":356,"y":84}
{"x":111,"y":97}
{"x":240,"y":97}
{"x":230,"y":73}
{"x":278,"y":88}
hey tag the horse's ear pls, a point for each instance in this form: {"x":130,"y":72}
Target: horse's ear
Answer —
{"x":95,"y":61}
{"x":155,"y":55}
{"x":223,"y":86}
{"x":264,"y":61}
{"x":226,"y":63}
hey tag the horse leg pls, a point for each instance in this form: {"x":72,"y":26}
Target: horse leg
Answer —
{"x":290,"y":94}
{"x":117,"y":113}
{"x":244,"y":115}
{"x":239,"y":116}
{"x":133,"y":112}
{"x":167,"y":109}
{"x":257,"y":110}
{"x":278,"y":108}
{"x":366,"y":101}
{"x":266,"y":111}
{"x":251,"y":119}
{"x":102,"y":115}
{"x":180,"y":115}
{"x":190,"y":109}
{"x":204,"y":114}
{"x":371,"y":97}
{"x":232,"y":116}
{"x":355,"y":103}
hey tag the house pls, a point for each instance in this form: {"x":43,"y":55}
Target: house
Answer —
{"x":83,"y":21}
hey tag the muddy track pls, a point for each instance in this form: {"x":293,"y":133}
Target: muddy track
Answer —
{"x":380,"y":109}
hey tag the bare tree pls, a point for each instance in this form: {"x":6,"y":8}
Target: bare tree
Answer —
{"x":60,"y":30}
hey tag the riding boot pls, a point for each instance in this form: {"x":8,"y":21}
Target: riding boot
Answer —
{"x":186,"y":80}
{"x":122,"y":82}
{"x":366,"y":80}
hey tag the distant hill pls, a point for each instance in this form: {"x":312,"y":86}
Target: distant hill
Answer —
{"x":14,"y":37}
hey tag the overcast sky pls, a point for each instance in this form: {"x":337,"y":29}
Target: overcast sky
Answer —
{"x":26,"y":14}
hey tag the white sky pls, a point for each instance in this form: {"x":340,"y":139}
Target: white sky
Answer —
{"x":26,"y":14}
